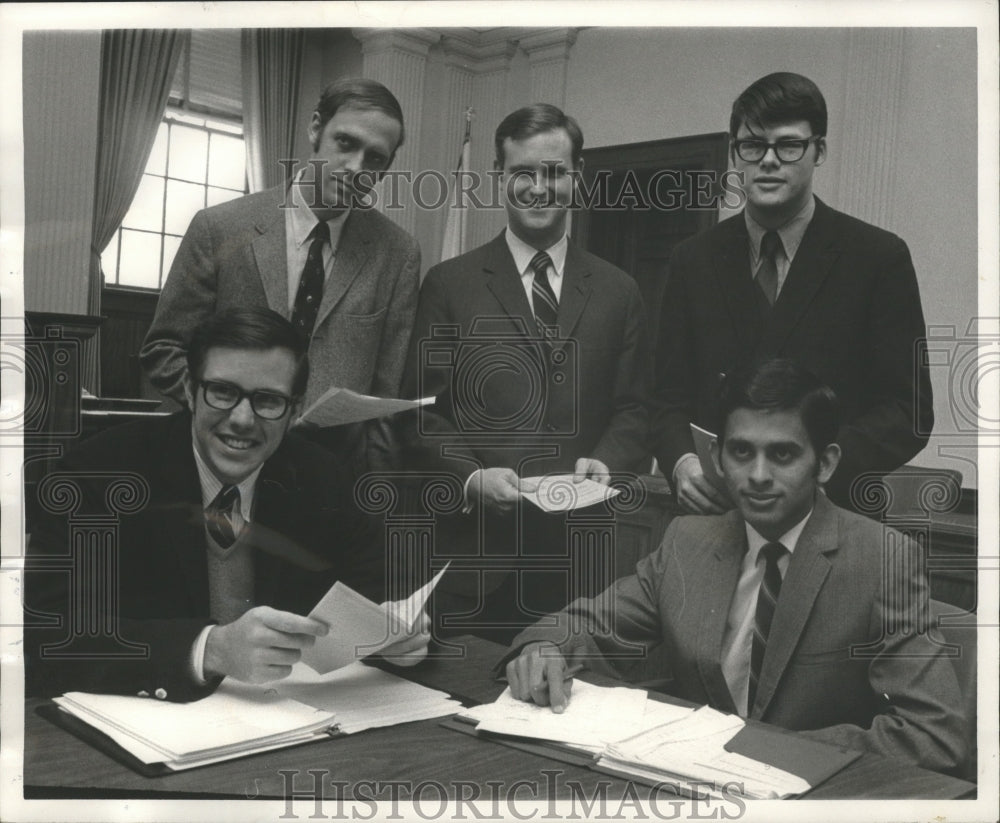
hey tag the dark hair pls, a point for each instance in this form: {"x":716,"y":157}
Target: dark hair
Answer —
{"x":537,"y":119}
{"x":779,"y":98}
{"x":784,"y":385}
{"x":254,"y":328}
{"x":359,"y":93}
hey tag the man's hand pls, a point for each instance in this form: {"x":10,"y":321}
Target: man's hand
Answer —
{"x":538,"y":675}
{"x":411,"y":647}
{"x":260,"y":646}
{"x":497,"y":489}
{"x":592,"y":468}
{"x":694,"y":491}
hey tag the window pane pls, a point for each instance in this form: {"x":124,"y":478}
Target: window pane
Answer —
{"x":146,"y":211}
{"x":109,"y":260}
{"x":216,"y":196}
{"x":183,"y":201}
{"x":188,"y":153}
{"x":226,"y":162}
{"x":140,"y":260}
{"x":170,"y":246}
{"x":157,"y":163}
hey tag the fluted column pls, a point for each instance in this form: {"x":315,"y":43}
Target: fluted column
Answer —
{"x":397,"y":58}
{"x":548,"y":56}
{"x":871,"y":127}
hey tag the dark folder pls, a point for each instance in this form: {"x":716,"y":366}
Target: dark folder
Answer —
{"x":811,"y":760}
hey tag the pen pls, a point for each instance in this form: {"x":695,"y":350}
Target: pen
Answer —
{"x":572,"y":670}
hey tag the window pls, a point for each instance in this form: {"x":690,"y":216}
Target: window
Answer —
{"x":196,"y":161}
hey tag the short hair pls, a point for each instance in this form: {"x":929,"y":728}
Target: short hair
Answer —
{"x":782,"y":384}
{"x":257,"y":329}
{"x":359,"y":93}
{"x":779,"y":98}
{"x":537,"y":118}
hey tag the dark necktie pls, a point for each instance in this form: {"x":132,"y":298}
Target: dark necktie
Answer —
{"x":767,"y":273}
{"x":767,"y":600}
{"x":310,"y":293}
{"x":220,"y":515}
{"x":544,"y":299}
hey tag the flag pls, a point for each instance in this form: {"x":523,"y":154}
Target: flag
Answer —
{"x":456,"y":224}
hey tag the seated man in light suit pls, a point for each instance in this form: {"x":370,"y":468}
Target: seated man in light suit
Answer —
{"x":788,"y":610}
{"x":229,"y":530}
{"x":312,"y":251}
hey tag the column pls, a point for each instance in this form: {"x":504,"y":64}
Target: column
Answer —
{"x":548,"y":56}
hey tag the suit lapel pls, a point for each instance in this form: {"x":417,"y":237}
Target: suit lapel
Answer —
{"x":352,"y":254}
{"x":806,"y":573}
{"x":731,"y":264}
{"x":718,"y":576}
{"x":271,"y":254}
{"x":812,"y":264}
{"x":504,"y":281}
{"x":576,"y":291}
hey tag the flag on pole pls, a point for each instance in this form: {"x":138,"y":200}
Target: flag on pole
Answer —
{"x":456,"y":224}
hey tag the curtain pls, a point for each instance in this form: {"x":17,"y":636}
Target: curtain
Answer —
{"x":272,"y":66}
{"x":137,"y":67}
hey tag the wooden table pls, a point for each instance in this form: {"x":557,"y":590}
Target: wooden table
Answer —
{"x":387,"y":764}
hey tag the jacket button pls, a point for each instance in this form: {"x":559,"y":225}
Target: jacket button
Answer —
{"x":160,"y":694}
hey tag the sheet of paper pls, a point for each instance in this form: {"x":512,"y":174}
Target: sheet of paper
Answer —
{"x":360,"y":627}
{"x":558,"y":493}
{"x":703,"y":440}
{"x":595,"y":716}
{"x":339,"y":406}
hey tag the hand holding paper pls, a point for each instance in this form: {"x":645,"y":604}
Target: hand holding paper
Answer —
{"x":563,"y":492}
{"x":539,"y":675}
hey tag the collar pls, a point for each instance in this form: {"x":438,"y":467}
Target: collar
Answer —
{"x":791,"y":233}
{"x":756,"y":541}
{"x":211,"y":485}
{"x":522,"y":252}
{"x":303,"y":220}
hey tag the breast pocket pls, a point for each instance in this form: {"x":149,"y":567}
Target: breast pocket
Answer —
{"x":347,"y":347}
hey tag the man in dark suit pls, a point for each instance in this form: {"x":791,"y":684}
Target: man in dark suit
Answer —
{"x":791,"y":277}
{"x":537,"y":354}
{"x":788,"y":610}
{"x":346,"y":275}
{"x":228,"y":530}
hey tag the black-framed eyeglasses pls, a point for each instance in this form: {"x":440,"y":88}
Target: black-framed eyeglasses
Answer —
{"x":788,"y":150}
{"x":223,"y":396}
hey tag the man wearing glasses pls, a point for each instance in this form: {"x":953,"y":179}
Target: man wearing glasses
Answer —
{"x":791,"y":277}
{"x":230,"y":530}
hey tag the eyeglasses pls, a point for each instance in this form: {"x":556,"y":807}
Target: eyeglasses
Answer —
{"x":752,"y":150}
{"x":267,"y":405}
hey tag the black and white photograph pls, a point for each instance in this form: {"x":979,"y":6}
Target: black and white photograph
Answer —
{"x":500,"y":411}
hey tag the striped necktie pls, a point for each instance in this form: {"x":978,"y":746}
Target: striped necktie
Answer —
{"x":220,"y":516}
{"x":544,"y":299}
{"x":310,"y":292}
{"x":767,"y":600}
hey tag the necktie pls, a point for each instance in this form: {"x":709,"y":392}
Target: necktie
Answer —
{"x":545,"y":304}
{"x":310,"y":292}
{"x":767,"y":600}
{"x":767,"y":273}
{"x":220,"y":516}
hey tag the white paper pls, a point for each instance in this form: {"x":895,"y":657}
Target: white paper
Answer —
{"x":558,"y":492}
{"x":594,"y":716}
{"x":338,"y":406}
{"x":703,"y":440}
{"x":359,"y":627}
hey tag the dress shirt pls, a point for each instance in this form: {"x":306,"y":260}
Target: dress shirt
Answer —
{"x":210,"y":487}
{"x":299,"y":222}
{"x":791,"y":234}
{"x":523,"y":254}
{"x":738,"y":638}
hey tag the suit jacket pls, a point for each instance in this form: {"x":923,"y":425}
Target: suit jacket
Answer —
{"x":141,"y":478}
{"x":507,"y":399}
{"x":849,"y":311}
{"x":847,"y":658}
{"x":234,"y":254}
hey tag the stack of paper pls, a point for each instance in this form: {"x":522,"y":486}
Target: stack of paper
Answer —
{"x":693,"y":749}
{"x":559,"y":493}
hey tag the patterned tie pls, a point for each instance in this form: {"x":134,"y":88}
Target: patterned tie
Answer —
{"x":767,"y":274}
{"x":544,"y":299}
{"x":767,"y":600}
{"x":220,"y":516}
{"x":310,"y":292}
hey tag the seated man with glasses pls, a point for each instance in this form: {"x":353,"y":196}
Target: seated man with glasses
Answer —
{"x":229,"y":529}
{"x":790,"y":276}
